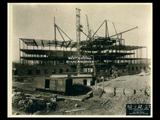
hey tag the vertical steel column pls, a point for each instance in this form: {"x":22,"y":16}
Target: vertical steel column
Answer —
{"x":131,"y":56}
{"x":146,"y":56}
{"x":116,"y":49}
{"x":106,"y":30}
{"x":137,"y":57}
{"x":23,"y":54}
{"x":127,"y":56}
{"x":55,"y":32}
{"x":27,"y":55}
{"x":141,"y":56}
{"x":78,"y":37}
{"x":112,"y":54}
{"x":49,"y":50}
{"x":33,"y":56}
{"x":120,"y":43}
{"x":124,"y":57}
{"x":100,"y":55}
{"x":135,"y":68}
{"x":19,"y":50}
{"x":134,"y":56}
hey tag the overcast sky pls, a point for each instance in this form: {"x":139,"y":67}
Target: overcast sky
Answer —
{"x":36,"y":21}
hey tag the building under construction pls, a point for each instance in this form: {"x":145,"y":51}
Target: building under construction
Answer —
{"x":108,"y":54}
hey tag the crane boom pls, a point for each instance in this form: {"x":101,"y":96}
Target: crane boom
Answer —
{"x":88,"y":26}
{"x":124,"y":31}
{"x":115,"y":29}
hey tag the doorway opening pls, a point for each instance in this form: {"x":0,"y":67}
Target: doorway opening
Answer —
{"x":85,"y":82}
{"x":47,"y":82}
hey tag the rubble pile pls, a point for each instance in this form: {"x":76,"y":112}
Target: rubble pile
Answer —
{"x":32,"y":103}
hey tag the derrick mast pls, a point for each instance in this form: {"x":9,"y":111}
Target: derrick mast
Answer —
{"x":78,"y":30}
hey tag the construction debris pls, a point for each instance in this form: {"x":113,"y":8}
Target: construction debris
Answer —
{"x":104,"y":102}
{"x":101,"y":94}
{"x":77,"y":105}
{"x":147,"y":91}
{"x":48,"y":103}
{"x":37,"y":113}
{"x":69,"y":98}
{"x":17,"y":113}
{"x":88,"y":95}
{"x":144,"y":73}
{"x":53,"y":98}
{"x":29,"y":103}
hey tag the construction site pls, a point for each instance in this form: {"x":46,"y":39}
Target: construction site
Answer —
{"x":95,"y":76}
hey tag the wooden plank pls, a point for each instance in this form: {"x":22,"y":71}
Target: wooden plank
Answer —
{"x":101,"y":94}
{"x":77,"y":99}
{"x":73,"y":110}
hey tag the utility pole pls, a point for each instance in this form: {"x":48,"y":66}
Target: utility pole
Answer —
{"x":78,"y":28}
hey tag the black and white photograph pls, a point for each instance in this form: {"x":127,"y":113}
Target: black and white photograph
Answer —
{"x":80,"y":60}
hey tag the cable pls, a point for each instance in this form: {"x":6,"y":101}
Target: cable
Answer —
{"x":120,"y":23}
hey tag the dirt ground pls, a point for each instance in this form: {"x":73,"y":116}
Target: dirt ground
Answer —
{"x":129,"y":82}
{"x":107,"y":104}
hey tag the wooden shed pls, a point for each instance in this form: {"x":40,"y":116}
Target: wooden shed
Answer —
{"x":58,"y":83}
{"x":84,"y":79}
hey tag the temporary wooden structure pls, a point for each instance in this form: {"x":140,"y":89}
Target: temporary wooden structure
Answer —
{"x":58,"y":83}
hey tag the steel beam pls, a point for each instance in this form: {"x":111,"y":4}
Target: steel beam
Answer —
{"x":42,"y":43}
{"x":35,"y":42}
{"x":98,"y":28}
